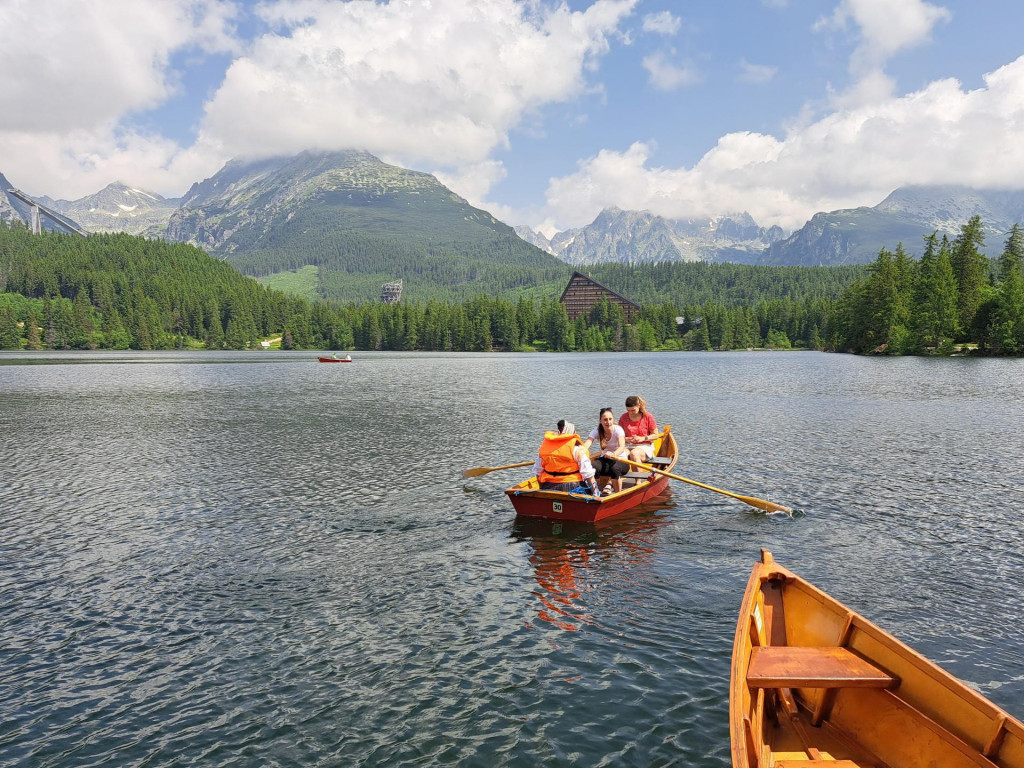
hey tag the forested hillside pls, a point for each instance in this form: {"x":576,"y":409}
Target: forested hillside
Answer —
{"x":353,"y":265}
{"x":728,"y":284}
{"x":117,"y":291}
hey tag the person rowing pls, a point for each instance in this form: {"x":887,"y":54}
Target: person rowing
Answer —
{"x":563,"y":463}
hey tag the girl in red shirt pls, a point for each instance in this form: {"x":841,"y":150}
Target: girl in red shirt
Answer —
{"x":640,"y":428}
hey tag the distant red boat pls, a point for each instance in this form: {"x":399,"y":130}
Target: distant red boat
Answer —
{"x":530,"y":501}
{"x":346,"y":359}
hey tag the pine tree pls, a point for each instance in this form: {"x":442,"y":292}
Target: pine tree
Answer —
{"x":1013,"y":252}
{"x":970,"y":267}
{"x":698,"y":339}
{"x":886,"y":304}
{"x":10,"y":333}
{"x":32,"y":340}
{"x":936,"y":313}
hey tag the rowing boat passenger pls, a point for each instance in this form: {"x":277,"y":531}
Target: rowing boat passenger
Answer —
{"x":640,"y":428}
{"x":611,"y":439}
{"x":563,"y":463}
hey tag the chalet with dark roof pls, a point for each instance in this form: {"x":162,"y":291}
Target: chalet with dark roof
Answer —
{"x":583,"y":293}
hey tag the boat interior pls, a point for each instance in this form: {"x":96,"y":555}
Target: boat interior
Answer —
{"x":822,"y":686}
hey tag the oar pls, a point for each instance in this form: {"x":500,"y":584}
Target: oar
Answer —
{"x":477,"y":471}
{"x":767,"y":506}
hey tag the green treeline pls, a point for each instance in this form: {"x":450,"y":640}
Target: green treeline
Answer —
{"x":117,"y":292}
{"x":954,"y":296}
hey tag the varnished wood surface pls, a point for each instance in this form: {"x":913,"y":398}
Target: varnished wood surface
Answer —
{"x":813,"y":667}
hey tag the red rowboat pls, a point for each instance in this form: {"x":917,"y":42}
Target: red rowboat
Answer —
{"x":335,"y":359}
{"x":637,"y":487}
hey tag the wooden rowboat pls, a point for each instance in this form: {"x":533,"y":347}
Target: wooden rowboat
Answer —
{"x":815,"y":685}
{"x":530,"y":501}
{"x":335,"y":359}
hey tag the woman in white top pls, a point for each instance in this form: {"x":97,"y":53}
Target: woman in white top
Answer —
{"x":612,"y":442}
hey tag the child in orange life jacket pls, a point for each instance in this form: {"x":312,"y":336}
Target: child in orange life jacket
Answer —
{"x":563,"y":463}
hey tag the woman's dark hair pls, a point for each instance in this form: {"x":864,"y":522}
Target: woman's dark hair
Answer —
{"x":601,"y":436}
{"x":560,"y":425}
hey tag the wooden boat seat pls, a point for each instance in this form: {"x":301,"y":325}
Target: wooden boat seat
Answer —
{"x":817,"y":764}
{"x":660,"y":461}
{"x":803,"y":667}
{"x":632,"y":478}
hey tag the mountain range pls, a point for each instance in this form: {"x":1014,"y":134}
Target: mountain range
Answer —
{"x":633,"y":237}
{"x":349,"y":222}
{"x":907,"y":215}
{"x":119,"y":208}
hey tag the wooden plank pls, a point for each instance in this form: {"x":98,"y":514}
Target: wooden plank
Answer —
{"x":825,"y":702}
{"x":802,"y":667}
{"x":921,"y":720}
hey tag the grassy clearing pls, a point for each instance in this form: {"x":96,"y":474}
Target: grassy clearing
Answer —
{"x":302,"y":282}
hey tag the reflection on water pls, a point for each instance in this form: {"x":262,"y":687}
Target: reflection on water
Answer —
{"x":278,"y":562}
{"x":564,"y":551}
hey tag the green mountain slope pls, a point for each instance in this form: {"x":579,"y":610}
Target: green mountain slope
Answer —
{"x":362,"y":222}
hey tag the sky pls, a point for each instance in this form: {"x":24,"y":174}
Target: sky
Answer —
{"x":543,"y":112}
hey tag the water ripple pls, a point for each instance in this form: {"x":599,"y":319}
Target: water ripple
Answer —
{"x":215,"y":563}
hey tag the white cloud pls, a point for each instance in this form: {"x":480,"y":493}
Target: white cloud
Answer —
{"x":941,"y":134}
{"x":427,"y":82}
{"x":473,"y":182}
{"x":51,"y":52}
{"x":442,"y":81}
{"x":74,"y":70}
{"x":665,"y":75}
{"x":662,"y":23}
{"x":884,"y":27}
{"x":756,"y":73}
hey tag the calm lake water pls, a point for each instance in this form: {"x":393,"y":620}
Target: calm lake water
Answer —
{"x":251,"y":559}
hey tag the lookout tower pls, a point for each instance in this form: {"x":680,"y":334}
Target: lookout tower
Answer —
{"x":391,"y":293}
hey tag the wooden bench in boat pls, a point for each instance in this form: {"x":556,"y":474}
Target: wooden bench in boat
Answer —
{"x":637,"y":475}
{"x":809,"y":667}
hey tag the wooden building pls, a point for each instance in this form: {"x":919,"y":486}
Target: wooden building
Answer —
{"x":583,"y":293}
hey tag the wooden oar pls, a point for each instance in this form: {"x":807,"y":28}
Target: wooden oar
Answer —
{"x":477,"y":471}
{"x":767,"y":506}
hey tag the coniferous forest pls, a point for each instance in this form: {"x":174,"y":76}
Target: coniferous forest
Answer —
{"x":116,"y":291}
{"x":953,"y":299}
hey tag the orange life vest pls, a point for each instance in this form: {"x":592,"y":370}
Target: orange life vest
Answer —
{"x":556,"y":459}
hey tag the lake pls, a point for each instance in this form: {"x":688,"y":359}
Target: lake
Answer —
{"x":252,"y":559}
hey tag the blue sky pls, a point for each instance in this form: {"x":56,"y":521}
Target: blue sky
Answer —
{"x":542,"y":112}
